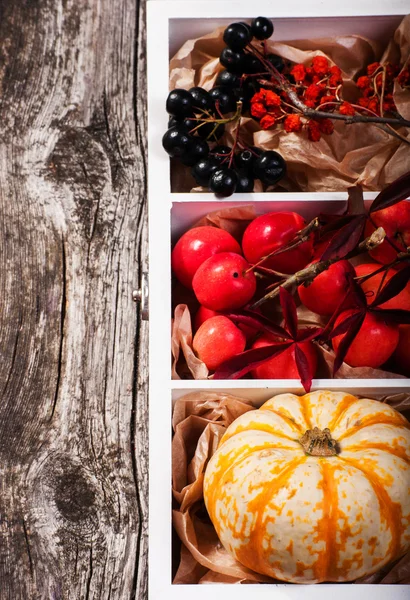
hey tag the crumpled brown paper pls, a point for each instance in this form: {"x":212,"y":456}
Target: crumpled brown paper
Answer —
{"x":199,"y":421}
{"x":358,"y":153}
{"x":186,"y":365}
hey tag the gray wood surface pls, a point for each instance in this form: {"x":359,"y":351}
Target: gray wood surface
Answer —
{"x":73,"y":406}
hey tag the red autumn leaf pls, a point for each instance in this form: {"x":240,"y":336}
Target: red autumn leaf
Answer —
{"x":344,"y":325}
{"x":347,"y":340}
{"x":352,"y":299}
{"x":242,"y":363}
{"x":393,"y":287}
{"x":288,"y":306}
{"x":259,"y":322}
{"x":358,"y":295}
{"x":355,"y":201}
{"x":309,"y":334}
{"x":395,"y":192}
{"x":346,"y":239}
{"x":304,"y":370}
{"x":397,"y":315}
{"x":333,"y":222}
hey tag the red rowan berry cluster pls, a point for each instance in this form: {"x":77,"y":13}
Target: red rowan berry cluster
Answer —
{"x":376,"y":88}
{"x":319,"y":88}
{"x":315,"y":85}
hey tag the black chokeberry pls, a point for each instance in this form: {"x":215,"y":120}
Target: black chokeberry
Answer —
{"x":253,"y":65}
{"x":276,"y":61}
{"x":203,"y":170}
{"x":190,"y":123}
{"x":220,"y":152}
{"x":270,"y":167}
{"x":224,"y":97}
{"x":245,"y":159}
{"x":227,"y":79}
{"x":237,"y":36}
{"x":262,"y":28}
{"x":174,"y":121}
{"x":223,"y":182}
{"x":179,"y":103}
{"x":201,"y":99}
{"x":248,"y":27}
{"x":232,"y":60}
{"x":198,"y":151}
{"x":177,"y":142}
{"x":245,"y":182}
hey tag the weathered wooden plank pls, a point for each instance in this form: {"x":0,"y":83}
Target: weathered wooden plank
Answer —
{"x":73,"y":407}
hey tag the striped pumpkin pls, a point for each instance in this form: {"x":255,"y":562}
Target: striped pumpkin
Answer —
{"x":313,"y":488}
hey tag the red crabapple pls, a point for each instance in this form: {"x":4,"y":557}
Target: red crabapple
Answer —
{"x":328,"y":289}
{"x":195,"y":246}
{"x":373,"y":345}
{"x":395,"y":220}
{"x":202,"y":315}
{"x":372,"y":285}
{"x":272,"y":231}
{"x":217,"y":340}
{"x":223,"y":282}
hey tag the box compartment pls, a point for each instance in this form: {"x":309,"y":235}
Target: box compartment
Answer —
{"x":185,"y":214}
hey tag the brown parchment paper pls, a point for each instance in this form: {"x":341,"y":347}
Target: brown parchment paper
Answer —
{"x":186,"y":365}
{"x":358,"y":153}
{"x":199,"y":421}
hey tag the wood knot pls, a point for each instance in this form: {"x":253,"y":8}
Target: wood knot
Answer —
{"x":74,"y":496}
{"x":318,"y":442}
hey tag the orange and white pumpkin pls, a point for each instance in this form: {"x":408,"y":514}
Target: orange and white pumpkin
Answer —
{"x":313,"y":488}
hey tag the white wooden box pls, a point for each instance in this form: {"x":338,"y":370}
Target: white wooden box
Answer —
{"x":170,"y":23}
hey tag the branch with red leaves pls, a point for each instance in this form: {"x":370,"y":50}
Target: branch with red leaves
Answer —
{"x":309,"y":273}
{"x":283,"y":338}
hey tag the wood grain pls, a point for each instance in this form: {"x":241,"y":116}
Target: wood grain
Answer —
{"x":73,"y":407}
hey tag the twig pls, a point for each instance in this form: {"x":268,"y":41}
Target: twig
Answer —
{"x":309,"y":273}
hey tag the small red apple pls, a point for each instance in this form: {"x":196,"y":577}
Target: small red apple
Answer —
{"x":195,"y":246}
{"x":401,"y":356}
{"x":372,"y":285}
{"x":202,"y":315}
{"x":396,"y":222}
{"x":223,"y":282}
{"x":374,"y":343}
{"x":283,"y":366}
{"x":217,"y":340}
{"x":272,"y":231}
{"x":328,"y":289}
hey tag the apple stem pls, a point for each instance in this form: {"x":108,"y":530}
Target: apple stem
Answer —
{"x":309,"y":273}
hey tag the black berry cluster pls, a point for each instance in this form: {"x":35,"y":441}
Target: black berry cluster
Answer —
{"x":198,"y":117}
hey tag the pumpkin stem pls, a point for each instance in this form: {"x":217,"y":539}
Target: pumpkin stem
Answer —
{"x":318,"y":442}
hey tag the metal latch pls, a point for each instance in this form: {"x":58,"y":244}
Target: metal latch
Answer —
{"x":141,"y":296}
